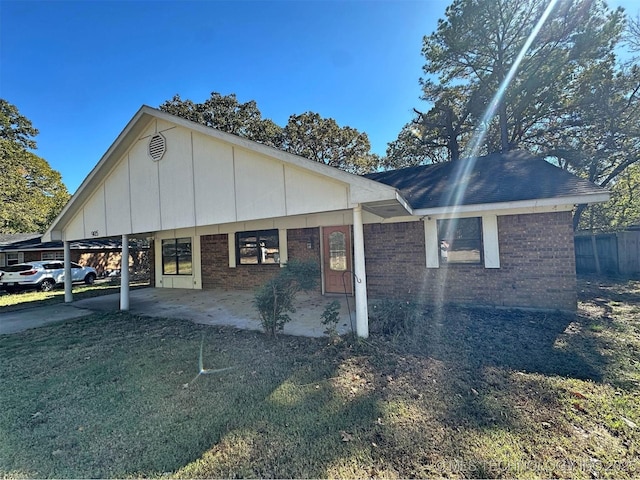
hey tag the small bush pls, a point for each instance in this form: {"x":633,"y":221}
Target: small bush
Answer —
{"x":331,"y":317}
{"x":393,"y":317}
{"x":274,"y":299}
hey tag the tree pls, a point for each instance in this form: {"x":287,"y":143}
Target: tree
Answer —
{"x":600,"y":138}
{"x":507,"y":74}
{"x":475,"y":64}
{"x":225,"y":113}
{"x":14,"y":127}
{"x":622,"y":211}
{"x":308,"y":135}
{"x":434,"y":136}
{"x":32,"y":193}
{"x":321,"y":139}
{"x":480,"y":43}
{"x":632,"y":36}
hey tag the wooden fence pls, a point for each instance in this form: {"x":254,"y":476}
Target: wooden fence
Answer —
{"x":610,"y":253}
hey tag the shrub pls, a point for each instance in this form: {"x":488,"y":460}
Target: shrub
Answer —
{"x":274,"y":299}
{"x":331,"y":317}
{"x":393,"y":317}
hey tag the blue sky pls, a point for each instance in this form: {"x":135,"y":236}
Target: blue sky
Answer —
{"x":80,"y":70}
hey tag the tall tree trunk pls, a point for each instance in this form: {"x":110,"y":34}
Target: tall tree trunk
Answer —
{"x":452,"y":136}
{"x":577,"y":215}
{"x":504,"y":131}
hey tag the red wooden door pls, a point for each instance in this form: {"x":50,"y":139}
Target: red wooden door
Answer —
{"x":337,"y":259}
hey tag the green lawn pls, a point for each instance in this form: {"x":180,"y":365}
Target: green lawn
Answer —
{"x":25,"y":298}
{"x":466,"y":394}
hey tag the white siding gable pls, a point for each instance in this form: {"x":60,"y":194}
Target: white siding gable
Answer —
{"x":260,"y":191}
{"x":199,"y":181}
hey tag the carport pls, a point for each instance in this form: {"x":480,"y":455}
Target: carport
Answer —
{"x":181,"y":185}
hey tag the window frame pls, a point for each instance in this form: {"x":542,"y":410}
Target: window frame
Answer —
{"x":176,"y":256}
{"x":19,"y":258}
{"x":273,"y":235}
{"x":56,"y":256}
{"x":444,"y":244}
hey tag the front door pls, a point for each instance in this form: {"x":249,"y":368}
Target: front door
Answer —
{"x":337,"y":259}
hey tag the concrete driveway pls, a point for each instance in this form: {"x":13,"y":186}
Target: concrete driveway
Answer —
{"x":209,"y":307}
{"x":33,"y":317}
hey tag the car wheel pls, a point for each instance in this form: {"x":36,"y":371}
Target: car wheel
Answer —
{"x":90,"y":278}
{"x":47,"y":285}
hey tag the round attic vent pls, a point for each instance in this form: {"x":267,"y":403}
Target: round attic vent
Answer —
{"x":157,"y":147}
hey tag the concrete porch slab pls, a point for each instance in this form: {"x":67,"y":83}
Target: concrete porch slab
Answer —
{"x":219,"y":307}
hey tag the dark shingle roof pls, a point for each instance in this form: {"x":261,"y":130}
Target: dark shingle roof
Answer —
{"x":21,"y":238}
{"x":34,"y":244}
{"x":495,"y":178}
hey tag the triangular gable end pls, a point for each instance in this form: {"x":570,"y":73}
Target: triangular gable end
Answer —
{"x":164,"y":172}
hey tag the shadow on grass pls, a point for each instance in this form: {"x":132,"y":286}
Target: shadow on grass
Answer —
{"x":546,"y":343}
{"x":115,"y":395}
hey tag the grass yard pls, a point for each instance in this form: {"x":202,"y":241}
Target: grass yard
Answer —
{"x":25,"y":298}
{"x":465,"y":394}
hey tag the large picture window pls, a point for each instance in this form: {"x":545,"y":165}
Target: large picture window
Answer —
{"x":460,"y":240}
{"x":176,"y":256}
{"x":258,"y":247}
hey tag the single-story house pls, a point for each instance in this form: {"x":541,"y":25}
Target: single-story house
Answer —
{"x":223,"y":212}
{"x":103,"y":254}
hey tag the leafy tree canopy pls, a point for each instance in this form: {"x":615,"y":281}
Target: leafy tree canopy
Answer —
{"x":308,"y":134}
{"x":32,"y":193}
{"x":566,"y":97}
{"x":321,"y":139}
{"x":15,"y":127}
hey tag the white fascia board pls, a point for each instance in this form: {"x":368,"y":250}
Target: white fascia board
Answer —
{"x":402,"y":201}
{"x":523,"y":206}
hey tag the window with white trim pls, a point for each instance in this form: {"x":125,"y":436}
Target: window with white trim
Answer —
{"x":460,"y":240}
{"x":52,"y":256}
{"x":13,"y":258}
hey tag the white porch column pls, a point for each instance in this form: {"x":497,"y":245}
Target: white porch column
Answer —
{"x":362,"y":311}
{"x":68,"y":294}
{"x":124,"y":274}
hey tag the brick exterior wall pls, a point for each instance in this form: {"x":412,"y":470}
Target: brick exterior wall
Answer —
{"x":216,"y":272}
{"x":36,"y":256}
{"x":537,"y":265}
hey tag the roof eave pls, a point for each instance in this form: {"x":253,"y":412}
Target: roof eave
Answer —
{"x":566,"y":202}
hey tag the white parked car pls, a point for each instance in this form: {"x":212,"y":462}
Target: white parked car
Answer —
{"x":42,"y":275}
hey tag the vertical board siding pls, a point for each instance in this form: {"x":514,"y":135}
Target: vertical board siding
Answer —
{"x":144,"y":188}
{"x":175,"y":172}
{"x":213,"y":181}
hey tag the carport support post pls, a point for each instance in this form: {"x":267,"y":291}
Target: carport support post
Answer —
{"x":362,"y":311}
{"x":124,"y":274}
{"x":68,"y":294}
